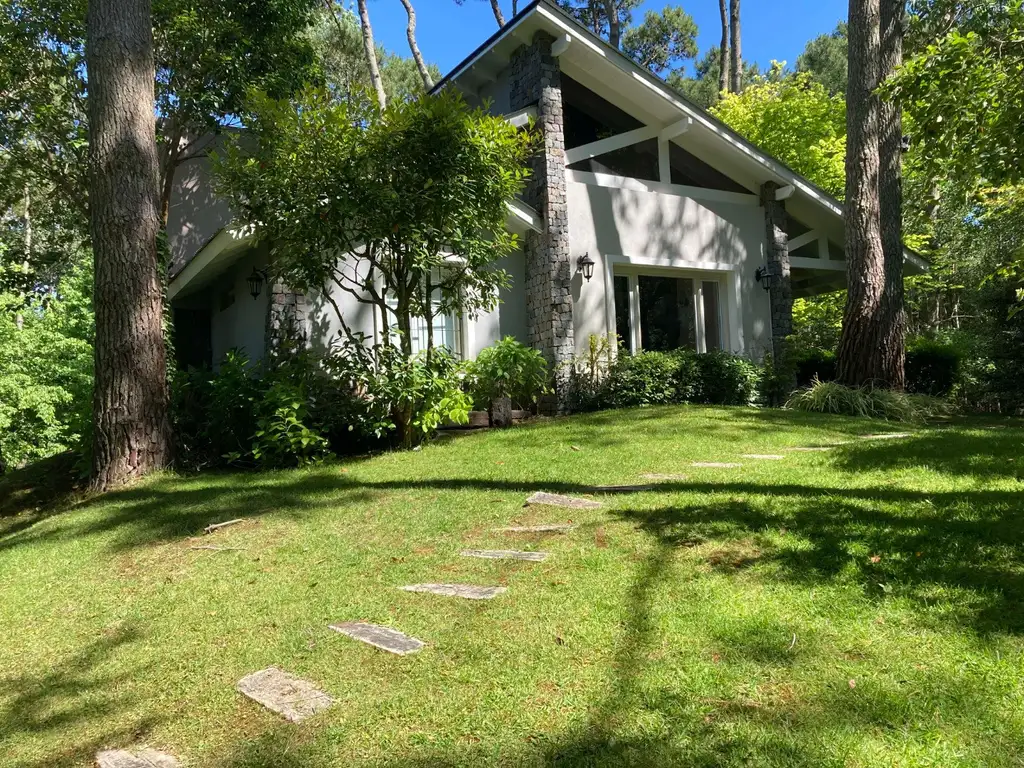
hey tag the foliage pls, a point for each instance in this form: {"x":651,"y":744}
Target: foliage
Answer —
{"x":796,"y":120}
{"x":818,"y":320}
{"x":46,"y":371}
{"x":932,"y":366}
{"x":702,"y":88}
{"x":663,"y":41}
{"x":585,"y":378}
{"x":961,"y":88}
{"x":508,"y":368}
{"x":724,"y":379}
{"x":594,"y":15}
{"x":811,"y":363}
{"x":283,"y":436}
{"x":649,"y":378}
{"x":866,"y":402}
{"x":824,"y":59}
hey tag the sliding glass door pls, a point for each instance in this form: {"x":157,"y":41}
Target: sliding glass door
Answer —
{"x":669,"y":310}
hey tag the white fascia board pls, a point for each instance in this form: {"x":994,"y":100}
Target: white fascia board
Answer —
{"x":676,"y":190}
{"x":226,"y":239}
{"x":800,"y":262}
{"x":525,"y":215}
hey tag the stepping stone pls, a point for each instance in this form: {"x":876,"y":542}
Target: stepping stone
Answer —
{"x":385,"y":638}
{"x":506,"y":554}
{"x":764,"y":456}
{"x":546,"y":528}
{"x":886,"y":436}
{"x":291,"y":697}
{"x":716,"y":464}
{"x":556,"y":500}
{"x":468,"y":591}
{"x":143,"y":758}
{"x":654,"y":476}
{"x":815,"y":449}
{"x":621,"y":488}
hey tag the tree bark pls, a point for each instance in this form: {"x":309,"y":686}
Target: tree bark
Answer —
{"x":723,"y":55}
{"x":611,"y":9}
{"x":370,"y":49}
{"x":131,"y":428}
{"x":861,"y":358}
{"x":736,"y":63}
{"x":410,"y":33}
{"x":498,"y":15}
{"x":890,"y":197}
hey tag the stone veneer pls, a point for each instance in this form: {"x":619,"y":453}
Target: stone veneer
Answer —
{"x":535,"y":78}
{"x":286,"y":318}
{"x":777,"y":257}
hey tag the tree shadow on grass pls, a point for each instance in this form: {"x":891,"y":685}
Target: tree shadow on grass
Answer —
{"x":69,"y":695}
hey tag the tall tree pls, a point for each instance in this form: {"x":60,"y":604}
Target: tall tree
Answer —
{"x":735,"y":54}
{"x":863,"y":356}
{"x":723,"y":49}
{"x":824,"y":58}
{"x":702,"y":89}
{"x":611,"y":10}
{"x":410,"y":33}
{"x":370,"y":51}
{"x":663,"y":40}
{"x":131,"y":429}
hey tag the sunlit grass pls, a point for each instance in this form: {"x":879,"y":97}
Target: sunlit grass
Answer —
{"x":861,"y":606}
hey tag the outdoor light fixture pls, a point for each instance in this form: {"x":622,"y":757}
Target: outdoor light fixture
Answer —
{"x":255,"y":281}
{"x":585,"y":264}
{"x":765,"y":279}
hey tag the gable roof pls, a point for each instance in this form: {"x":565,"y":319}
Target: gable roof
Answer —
{"x":589,"y":58}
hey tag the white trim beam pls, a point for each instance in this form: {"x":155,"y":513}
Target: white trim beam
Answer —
{"x":561,"y":45}
{"x":603,"y":146}
{"x":678,"y":128}
{"x":222,"y":246}
{"x":801,"y":240}
{"x":784,"y":193}
{"x":609,"y":181}
{"x":823,"y":248}
{"x":801,"y":262}
{"x":664,"y":162}
{"x":522,"y":117}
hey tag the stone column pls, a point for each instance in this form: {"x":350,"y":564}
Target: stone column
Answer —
{"x":777,"y":257}
{"x":286,"y":319}
{"x":535,"y":78}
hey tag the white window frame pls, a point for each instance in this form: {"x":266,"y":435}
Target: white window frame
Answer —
{"x":730,"y":327}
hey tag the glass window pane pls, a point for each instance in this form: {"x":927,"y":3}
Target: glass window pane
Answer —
{"x":667,"y":313}
{"x":712,"y":315}
{"x":622,"y":326}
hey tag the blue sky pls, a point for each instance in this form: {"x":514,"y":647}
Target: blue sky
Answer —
{"x":772,"y":29}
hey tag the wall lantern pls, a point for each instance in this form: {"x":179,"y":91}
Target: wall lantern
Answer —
{"x":255,"y":281}
{"x":585,"y":264}
{"x":764,"y":278}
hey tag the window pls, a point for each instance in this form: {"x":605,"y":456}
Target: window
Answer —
{"x":670,"y":310}
{"x":447,"y":328}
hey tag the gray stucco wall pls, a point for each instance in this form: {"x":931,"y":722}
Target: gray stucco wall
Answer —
{"x":195,"y":214}
{"x":639,"y":228}
{"x":243,"y":323}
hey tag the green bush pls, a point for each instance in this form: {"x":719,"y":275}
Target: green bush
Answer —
{"x":724,"y":379}
{"x":932,"y":367}
{"x":508,"y":368}
{"x":867,"y":402}
{"x":812,"y":364}
{"x":587,"y":375}
{"x":647,"y":378}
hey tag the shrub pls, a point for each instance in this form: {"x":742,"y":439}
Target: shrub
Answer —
{"x":812,"y":364}
{"x":587,"y":377}
{"x":868,"y":402}
{"x":932,"y":367}
{"x":647,"y":378}
{"x":510,"y":369}
{"x":724,"y":379}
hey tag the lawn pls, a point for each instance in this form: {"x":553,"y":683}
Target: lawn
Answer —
{"x":859,"y":607}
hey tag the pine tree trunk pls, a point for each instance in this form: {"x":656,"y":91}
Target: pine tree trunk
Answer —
{"x":723,"y":55}
{"x":890,"y":197}
{"x":410,"y":33}
{"x":498,"y":15}
{"x":861,"y":358}
{"x":130,"y":419}
{"x":611,"y":9}
{"x":736,"y":63}
{"x":370,"y":50}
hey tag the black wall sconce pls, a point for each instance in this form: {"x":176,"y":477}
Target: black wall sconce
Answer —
{"x":585,"y":265}
{"x":255,"y":281}
{"x":764,"y":278}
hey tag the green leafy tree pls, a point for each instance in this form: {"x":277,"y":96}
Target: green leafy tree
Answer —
{"x":824,"y":58}
{"x":796,"y":120}
{"x":663,"y":41}
{"x":395,"y":208}
{"x":703,"y":87}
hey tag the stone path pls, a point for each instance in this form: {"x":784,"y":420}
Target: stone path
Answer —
{"x":385,"y":638}
{"x":716,"y":464}
{"x":143,"y":758}
{"x":655,"y":476}
{"x":505,"y":554}
{"x":886,"y":436}
{"x":545,"y":528}
{"x":291,"y":697}
{"x":621,"y":488}
{"x":468,"y":591}
{"x":764,"y":456}
{"x":556,"y":500}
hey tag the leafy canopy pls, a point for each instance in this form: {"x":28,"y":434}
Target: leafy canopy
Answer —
{"x":663,"y":41}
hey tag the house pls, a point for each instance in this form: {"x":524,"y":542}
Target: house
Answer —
{"x":645,"y":217}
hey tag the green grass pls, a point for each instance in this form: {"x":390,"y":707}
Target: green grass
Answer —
{"x":860,"y":607}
